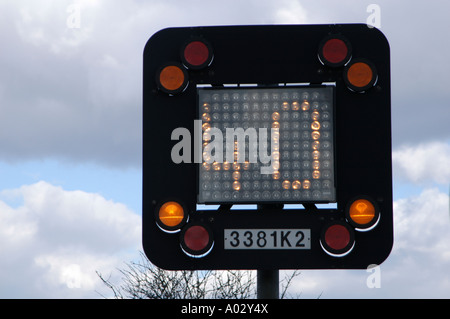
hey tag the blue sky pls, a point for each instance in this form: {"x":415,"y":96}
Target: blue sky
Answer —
{"x":71,"y":136}
{"x":122,"y":185}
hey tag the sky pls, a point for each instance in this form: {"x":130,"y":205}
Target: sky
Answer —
{"x":71,"y":138}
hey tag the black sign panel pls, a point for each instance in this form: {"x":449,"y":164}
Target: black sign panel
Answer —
{"x":267,"y":116}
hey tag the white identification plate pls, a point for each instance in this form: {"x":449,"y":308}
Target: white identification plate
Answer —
{"x":267,"y":238}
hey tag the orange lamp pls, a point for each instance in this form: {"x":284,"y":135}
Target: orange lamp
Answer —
{"x":172,"y":79}
{"x":360,"y":75}
{"x":171,"y":216}
{"x":363,"y":213}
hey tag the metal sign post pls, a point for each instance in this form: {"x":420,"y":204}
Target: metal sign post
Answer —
{"x":268,"y":284}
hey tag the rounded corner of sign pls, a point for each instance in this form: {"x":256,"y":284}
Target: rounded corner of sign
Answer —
{"x":148,"y":254}
{"x":383,"y":259}
{"x":386,"y":254}
{"x":382,"y":36}
{"x":379,"y":33}
{"x":155,"y":261}
{"x":160,"y":33}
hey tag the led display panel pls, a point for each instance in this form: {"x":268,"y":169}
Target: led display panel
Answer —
{"x":266,"y":145}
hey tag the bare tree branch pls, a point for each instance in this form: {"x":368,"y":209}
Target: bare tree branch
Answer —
{"x":143,"y":280}
{"x":286,"y":283}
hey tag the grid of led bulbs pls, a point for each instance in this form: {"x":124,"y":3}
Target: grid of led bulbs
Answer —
{"x":302,"y":158}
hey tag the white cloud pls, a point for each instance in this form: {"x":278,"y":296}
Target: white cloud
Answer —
{"x":66,"y":92}
{"x":422,"y":224}
{"x":47,"y":24}
{"x":420,"y":259}
{"x":90,"y":77}
{"x":418,"y":264}
{"x":52,"y":244}
{"x":423,"y":163}
{"x":16,"y":228}
{"x":75,"y":93}
{"x":290,"y":12}
{"x":54,"y":240}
